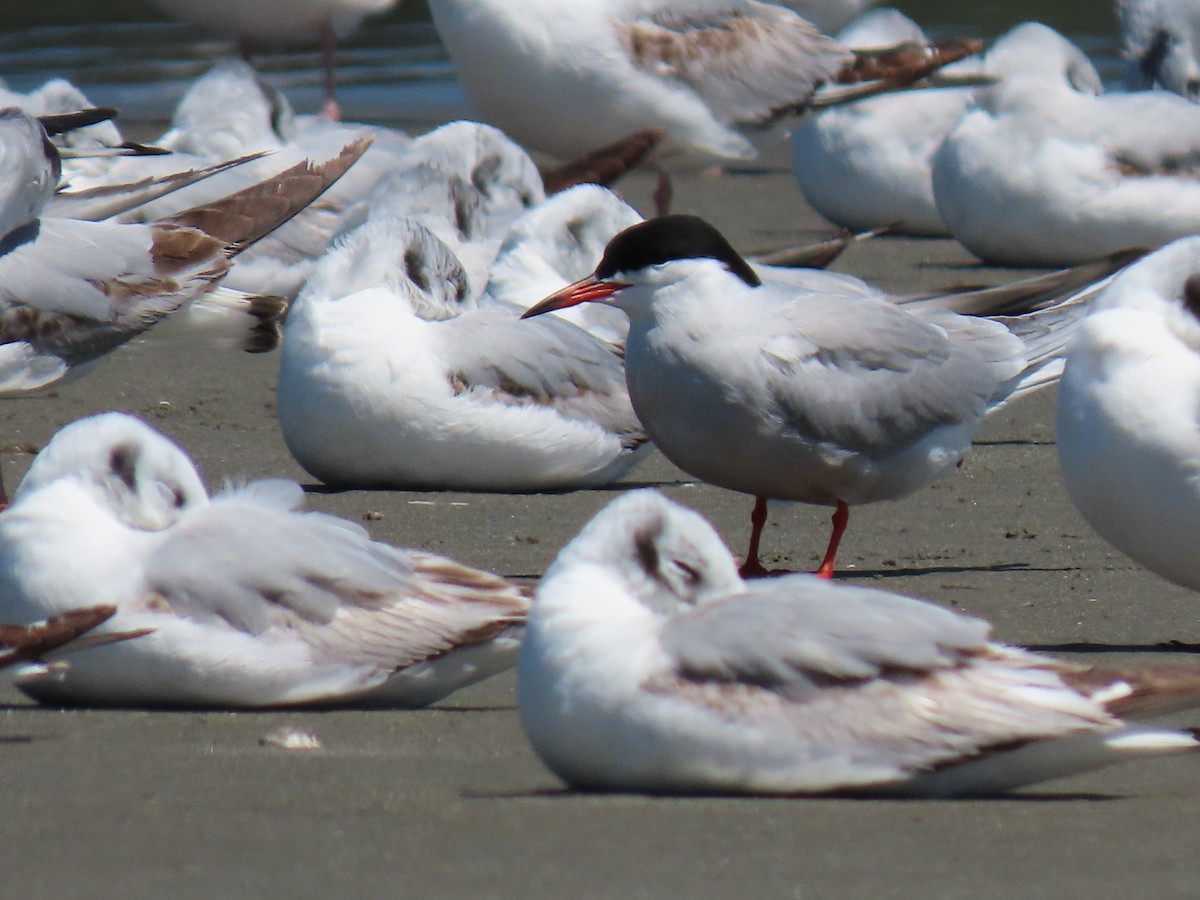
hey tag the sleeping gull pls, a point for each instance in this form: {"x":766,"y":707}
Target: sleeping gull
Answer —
{"x":649,"y":665}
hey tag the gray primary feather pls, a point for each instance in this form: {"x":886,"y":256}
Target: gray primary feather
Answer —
{"x":795,"y":633}
{"x":253,"y":562}
{"x":878,"y":389}
{"x":302,"y":566}
{"x":856,"y":679}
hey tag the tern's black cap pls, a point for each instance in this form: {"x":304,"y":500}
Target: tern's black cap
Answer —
{"x":668,"y":238}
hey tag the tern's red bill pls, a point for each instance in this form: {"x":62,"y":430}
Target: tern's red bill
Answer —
{"x":590,"y":288}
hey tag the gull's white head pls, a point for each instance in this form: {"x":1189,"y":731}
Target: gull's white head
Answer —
{"x":486,"y":158}
{"x":1029,"y":59}
{"x":142,"y":477}
{"x":1166,"y":283}
{"x":60,"y":96}
{"x":881,"y":28}
{"x":1160,"y":42}
{"x":667,"y":556}
{"x":443,"y":201}
{"x":569,"y":230}
{"x":229,"y":111}
{"x":401,"y":256}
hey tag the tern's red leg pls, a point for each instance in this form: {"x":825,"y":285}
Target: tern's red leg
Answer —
{"x":841,"y":516}
{"x":663,"y":192}
{"x":752,"y":568}
{"x":328,"y":60}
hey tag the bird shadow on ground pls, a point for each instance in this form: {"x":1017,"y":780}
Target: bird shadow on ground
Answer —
{"x":564,"y":793}
{"x":910,"y":571}
{"x":1014,"y":442}
{"x":317,"y":488}
{"x":1090,"y":647}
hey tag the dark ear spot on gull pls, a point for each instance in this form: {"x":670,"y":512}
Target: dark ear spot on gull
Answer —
{"x":1151,"y":61}
{"x":669,"y":238}
{"x":414,"y":267}
{"x":645,"y":544}
{"x":123,"y":463}
{"x":1191,"y":294}
{"x":483,"y":176}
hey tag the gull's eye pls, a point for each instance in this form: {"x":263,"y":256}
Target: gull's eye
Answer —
{"x":690,"y":575}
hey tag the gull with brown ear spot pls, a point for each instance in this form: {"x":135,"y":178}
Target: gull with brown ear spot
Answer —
{"x":245,"y":600}
{"x":649,"y":665}
{"x":1129,"y":414}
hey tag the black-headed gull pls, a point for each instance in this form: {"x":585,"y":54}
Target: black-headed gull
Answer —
{"x":564,"y":76}
{"x":1129,"y":413}
{"x":1160,"y":41}
{"x":271,"y":22}
{"x":866,"y":164}
{"x":1047,"y":171}
{"x":464,"y":181}
{"x":649,"y":665}
{"x":251,"y":601}
{"x":393,"y":376}
{"x":783,"y":392}
{"x":70,"y":291}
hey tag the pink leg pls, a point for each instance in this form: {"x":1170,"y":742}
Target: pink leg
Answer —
{"x":752,"y":568}
{"x":662,"y":194}
{"x":841,"y":516}
{"x":329,"y":61}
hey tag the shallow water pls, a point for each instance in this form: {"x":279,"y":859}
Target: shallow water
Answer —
{"x":123,"y":53}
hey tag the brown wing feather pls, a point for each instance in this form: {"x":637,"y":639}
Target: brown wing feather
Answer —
{"x":248,"y":215}
{"x":907,"y":62}
{"x":458,"y":607}
{"x":1138,"y":691}
{"x":746,"y":61}
{"x":605,"y":164}
{"x":22,"y":643}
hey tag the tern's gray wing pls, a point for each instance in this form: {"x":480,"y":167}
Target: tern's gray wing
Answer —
{"x":253,"y":563}
{"x":865,"y":375}
{"x":796,"y":634}
{"x":492,"y":354}
{"x":746,"y":60}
